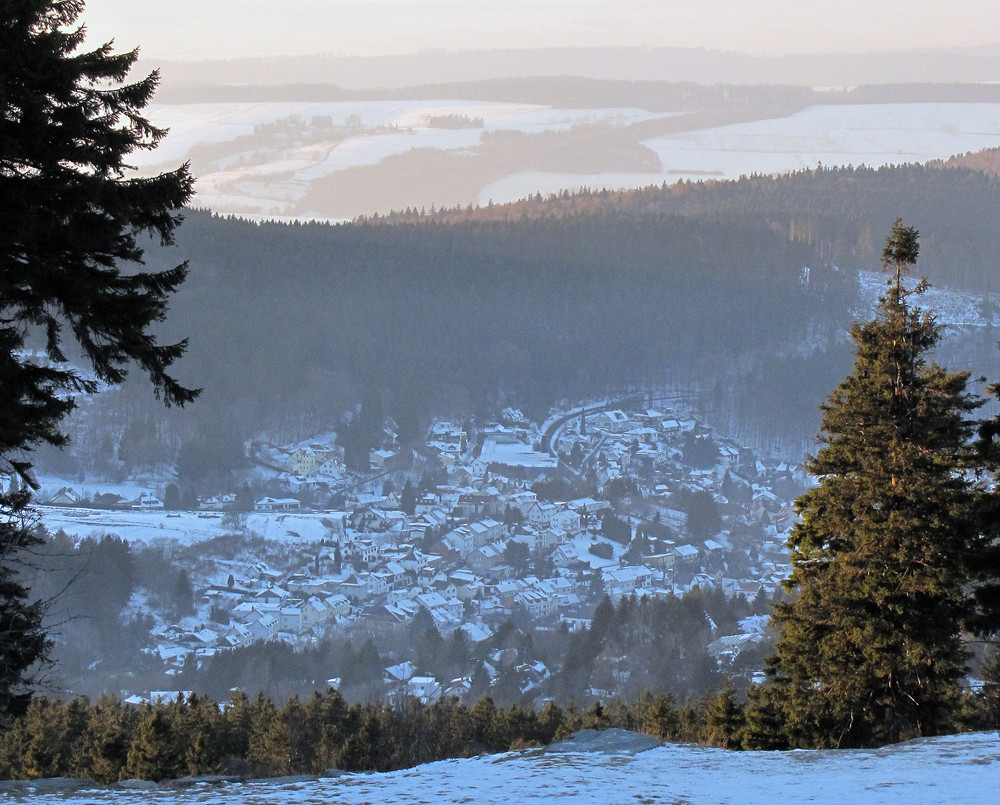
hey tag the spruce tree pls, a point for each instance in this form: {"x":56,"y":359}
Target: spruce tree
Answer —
{"x":71,"y":250}
{"x":869,"y":648}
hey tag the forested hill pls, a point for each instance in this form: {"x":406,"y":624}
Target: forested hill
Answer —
{"x":987,"y":160}
{"x":463,"y":318}
{"x":693,"y":285}
{"x":843,"y":213}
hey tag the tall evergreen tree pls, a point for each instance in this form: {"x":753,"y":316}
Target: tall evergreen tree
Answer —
{"x":71,"y":248}
{"x":869,"y":648}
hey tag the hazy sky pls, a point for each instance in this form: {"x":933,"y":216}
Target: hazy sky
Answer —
{"x":197,"y":29}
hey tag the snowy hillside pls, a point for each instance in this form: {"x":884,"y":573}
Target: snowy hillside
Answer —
{"x":952,"y":308}
{"x":319,"y":160}
{"x":961,"y":769}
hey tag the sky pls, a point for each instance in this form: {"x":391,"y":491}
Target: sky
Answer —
{"x":202,"y":29}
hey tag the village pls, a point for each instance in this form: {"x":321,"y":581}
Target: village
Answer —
{"x":481,"y":526}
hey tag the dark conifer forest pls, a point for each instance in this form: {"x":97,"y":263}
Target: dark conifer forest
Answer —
{"x":697,"y":287}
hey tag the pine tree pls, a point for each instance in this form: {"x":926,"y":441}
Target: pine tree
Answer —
{"x":71,"y":249}
{"x":23,"y":641}
{"x":73,"y":220}
{"x":869,"y":648}
{"x":725,"y":719}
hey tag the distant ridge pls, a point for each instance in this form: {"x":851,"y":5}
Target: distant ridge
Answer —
{"x":580,"y":91}
{"x":987,"y":160}
{"x":974,"y":65}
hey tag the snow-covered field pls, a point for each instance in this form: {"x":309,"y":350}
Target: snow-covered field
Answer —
{"x":875,"y":135}
{"x":274,"y":183}
{"x":961,"y":769}
{"x":271,"y":182}
{"x":195,"y":123}
{"x":184,"y":527}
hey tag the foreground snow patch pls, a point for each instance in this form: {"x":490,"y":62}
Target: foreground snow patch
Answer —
{"x":954,"y":769}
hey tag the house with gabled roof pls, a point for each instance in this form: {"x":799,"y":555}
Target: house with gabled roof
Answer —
{"x":628,"y":579}
{"x":487,"y":557}
{"x":614,"y":421}
{"x":66,"y":496}
{"x":263,"y":627}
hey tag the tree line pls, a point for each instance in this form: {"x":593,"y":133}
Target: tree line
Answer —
{"x":247,"y":737}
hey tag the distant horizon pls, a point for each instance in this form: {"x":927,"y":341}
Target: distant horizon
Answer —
{"x":194,"y":30}
{"x":459,"y":51}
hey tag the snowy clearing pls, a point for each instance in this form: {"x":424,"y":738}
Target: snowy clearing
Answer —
{"x":156,"y":525}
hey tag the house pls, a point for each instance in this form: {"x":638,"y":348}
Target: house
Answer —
{"x":363,"y":550}
{"x":728,"y":647}
{"x":272,"y":595}
{"x":687,"y":555}
{"x":382,"y":520}
{"x":478,"y":504}
{"x":382,"y":459}
{"x":486,"y":531}
{"x":588,"y":506}
{"x":578,"y":618}
{"x":425,"y":688}
{"x":567,"y":520}
{"x":435,"y":601}
{"x":399,"y":674}
{"x":547,"y":538}
{"x":355,"y":587}
{"x":713,"y":548}
{"x":613,"y":421}
{"x":263,"y":627}
{"x":110,"y":500}
{"x":305,"y":461}
{"x":269,"y":504}
{"x":487,"y":557}
{"x":217,"y":502}
{"x":458,"y":688}
{"x":540,"y":514}
{"x":627,"y":579}
{"x":477,"y":632}
{"x":66,"y":496}
{"x":467,"y":538}
{"x":203,"y":638}
{"x":670,"y":427}
{"x":290,"y":618}
{"x":661,"y":561}
{"x":652,"y":418}
{"x":557,"y":587}
{"x":461,"y":476}
{"x":147,"y":500}
{"x":238,"y":636}
{"x":338,"y":605}
{"x":537,"y":604}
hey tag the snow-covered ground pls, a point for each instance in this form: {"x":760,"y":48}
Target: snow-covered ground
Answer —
{"x":184,"y":527}
{"x":950,"y":307}
{"x":875,"y":135}
{"x":872,"y":134}
{"x":269,"y":183}
{"x":960,"y":769}
{"x":382,"y":129}
{"x":194,"y":123}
